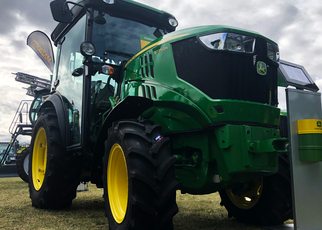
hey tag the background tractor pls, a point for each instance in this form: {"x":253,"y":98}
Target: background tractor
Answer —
{"x":24,"y":120}
{"x":142,"y":110}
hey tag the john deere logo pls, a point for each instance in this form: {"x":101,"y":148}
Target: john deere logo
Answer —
{"x":319,"y":124}
{"x":261,"y":68}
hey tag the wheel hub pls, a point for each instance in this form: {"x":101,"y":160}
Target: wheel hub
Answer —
{"x":39,"y":159}
{"x":247,"y":199}
{"x":117,"y":183}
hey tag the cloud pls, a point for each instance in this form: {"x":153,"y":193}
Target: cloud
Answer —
{"x":18,"y":44}
{"x":8,"y":18}
{"x":17,"y":20}
{"x":13,"y":13}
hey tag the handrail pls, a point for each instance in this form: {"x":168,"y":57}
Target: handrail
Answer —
{"x":21,"y":116}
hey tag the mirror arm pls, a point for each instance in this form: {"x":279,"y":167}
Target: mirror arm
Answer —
{"x":94,"y":67}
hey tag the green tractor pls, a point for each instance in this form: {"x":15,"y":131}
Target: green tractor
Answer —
{"x":142,"y":110}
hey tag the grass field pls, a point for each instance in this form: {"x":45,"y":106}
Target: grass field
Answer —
{"x":88,"y":211}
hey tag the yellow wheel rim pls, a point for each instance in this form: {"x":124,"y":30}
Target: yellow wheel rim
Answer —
{"x":39,"y":159}
{"x":117,"y":183}
{"x":248,"y":199}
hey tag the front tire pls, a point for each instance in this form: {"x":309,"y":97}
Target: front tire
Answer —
{"x":139,"y":178}
{"x":22,"y":164}
{"x":53,"y":173}
{"x":269,"y":202}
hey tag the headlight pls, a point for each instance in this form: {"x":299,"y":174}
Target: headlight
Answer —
{"x":87,"y":49}
{"x":273,"y":52}
{"x":173,"y":22}
{"x":109,"y":1}
{"x":229,"y":41}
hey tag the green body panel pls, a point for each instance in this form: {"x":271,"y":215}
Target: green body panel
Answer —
{"x":218,"y":142}
{"x":166,"y":86}
{"x":226,"y":155}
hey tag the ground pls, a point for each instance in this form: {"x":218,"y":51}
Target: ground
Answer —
{"x":88,"y":212}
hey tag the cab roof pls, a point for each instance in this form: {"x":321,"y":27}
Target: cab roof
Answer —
{"x":126,"y":9}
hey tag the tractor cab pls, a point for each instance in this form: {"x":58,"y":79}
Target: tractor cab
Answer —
{"x":95,"y":39}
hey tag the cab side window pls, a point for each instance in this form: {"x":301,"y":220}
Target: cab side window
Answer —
{"x":71,"y":87}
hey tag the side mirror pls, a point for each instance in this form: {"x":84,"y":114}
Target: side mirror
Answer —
{"x":60,"y":11}
{"x":78,"y":72}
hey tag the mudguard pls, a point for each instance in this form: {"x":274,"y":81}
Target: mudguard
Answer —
{"x":56,"y":101}
{"x":129,"y":108}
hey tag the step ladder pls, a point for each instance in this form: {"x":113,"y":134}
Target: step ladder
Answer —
{"x":20,"y":125}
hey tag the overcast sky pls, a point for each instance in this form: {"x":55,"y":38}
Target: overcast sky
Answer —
{"x":295,"y":25}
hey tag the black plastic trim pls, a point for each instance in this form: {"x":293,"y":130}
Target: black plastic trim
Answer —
{"x":56,"y":101}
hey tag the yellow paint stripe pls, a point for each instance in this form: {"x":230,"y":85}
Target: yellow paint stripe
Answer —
{"x":155,"y":44}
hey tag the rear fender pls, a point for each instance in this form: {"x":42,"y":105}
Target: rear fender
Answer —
{"x":56,"y":101}
{"x":129,"y":108}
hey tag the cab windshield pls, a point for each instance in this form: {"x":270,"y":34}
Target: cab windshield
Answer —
{"x":117,"y":39}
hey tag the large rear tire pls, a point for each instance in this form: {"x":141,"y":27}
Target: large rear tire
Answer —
{"x":22,"y":164}
{"x":53,"y":172}
{"x":269,"y":202}
{"x":139,"y":178}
